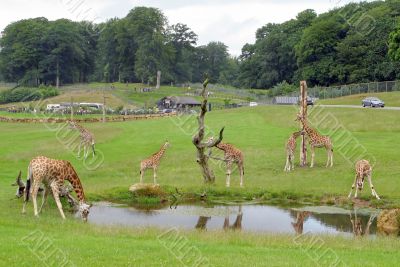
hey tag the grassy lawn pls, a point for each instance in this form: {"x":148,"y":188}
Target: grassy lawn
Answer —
{"x":391,"y":99}
{"x":260,"y":132}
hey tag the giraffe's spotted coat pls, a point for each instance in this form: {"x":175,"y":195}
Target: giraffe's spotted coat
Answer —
{"x":153,"y":162}
{"x":53,"y":173}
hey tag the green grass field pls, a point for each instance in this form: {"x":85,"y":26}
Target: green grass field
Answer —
{"x":261,"y":134}
{"x":391,"y":99}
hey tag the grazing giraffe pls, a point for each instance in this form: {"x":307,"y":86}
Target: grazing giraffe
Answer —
{"x":317,"y":140}
{"x":231,"y":155}
{"x":52,"y":173}
{"x":363,"y":169}
{"x":290,"y":151}
{"x":87,"y":139}
{"x":153,"y":162}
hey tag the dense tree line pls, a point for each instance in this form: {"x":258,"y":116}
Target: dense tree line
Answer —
{"x":131,"y":49}
{"x":359,"y":42}
{"x":346,"y":45}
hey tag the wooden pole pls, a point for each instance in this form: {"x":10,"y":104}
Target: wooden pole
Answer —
{"x":303,"y":113}
{"x":104,"y":106}
{"x":72,"y":108}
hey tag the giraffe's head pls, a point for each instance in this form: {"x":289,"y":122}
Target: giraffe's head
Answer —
{"x":167,"y":144}
{"x":84,"y":210}
{"x":21,"y":186}
{"x":71,"y":124}
{"x":360,"y":181}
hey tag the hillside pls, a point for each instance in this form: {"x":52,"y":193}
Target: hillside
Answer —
{"x":130,"y":96}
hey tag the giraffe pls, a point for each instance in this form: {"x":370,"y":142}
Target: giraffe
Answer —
{"x":231,"y":155}
{"x":290,"y":150}
{"x":363,"y":169}
{"x":153,"y":162}
{"x":52,"y":173}
{"x":298,"y":225}
{"x":357,"y":225}
{"x":237,"y":225}
{"x":87,"y":139}
{"x":317,"y":140}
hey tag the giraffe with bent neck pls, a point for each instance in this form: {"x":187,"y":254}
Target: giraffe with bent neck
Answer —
{"x":52,"y":173}
{"x":290,"y":150}
{"x":316,"y":140}
{"x":153,"y":162}
{"x":231,"y":155}
{"x":363,"y":169}
{"x":87,"y":139}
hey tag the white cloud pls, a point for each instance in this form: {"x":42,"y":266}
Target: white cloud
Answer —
{"x":233,"y":22}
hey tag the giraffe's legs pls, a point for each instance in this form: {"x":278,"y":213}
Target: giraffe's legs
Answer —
{"x":56,"y":194}
{"x":352,"y":187}
{"x":141,"y":175}
{"x":372,"y":186}
{"x":312,"y":156}
{"x":241,"y":170}
{"x":79,"y":148}
{"x":44,"y":198}
{"x":85,"y":151}
{"x":228,"y":173}
{"x":286,"y":169}
{"x":292,"y":161}
{"x":155,"y":174}
{"x":35,"y":190}
{"x":330,"y":157}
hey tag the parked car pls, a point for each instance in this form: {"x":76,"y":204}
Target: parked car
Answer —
{"x":373,"y":102}
{"x":310,"y":101}
{"x":253,"y":104}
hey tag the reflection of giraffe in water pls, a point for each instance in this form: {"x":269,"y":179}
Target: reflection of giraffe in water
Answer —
{"x":358,"y":227}
{"x":299,"y":223}
{"x":237,"y":225}
{"x":202,"y":223}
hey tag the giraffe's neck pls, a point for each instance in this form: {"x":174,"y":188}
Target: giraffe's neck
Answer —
{"x":161,"y":152}
{"x":76,"y":184}
{"x":222,"y":146}
{"x":310,"y":131}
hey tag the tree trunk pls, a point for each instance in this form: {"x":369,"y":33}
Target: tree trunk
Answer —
{"x":58,"y":75}
{"x":202,"y":158}
{"x":303,"y":113}
{"x":158,"y":79}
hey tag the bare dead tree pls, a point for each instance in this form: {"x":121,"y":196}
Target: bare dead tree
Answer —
{"x":202,"y":158}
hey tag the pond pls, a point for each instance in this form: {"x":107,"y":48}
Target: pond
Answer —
{"x":253,"y":218}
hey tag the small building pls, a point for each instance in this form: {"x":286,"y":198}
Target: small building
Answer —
{"x":285,"y":100}
{"x":177,"y":102}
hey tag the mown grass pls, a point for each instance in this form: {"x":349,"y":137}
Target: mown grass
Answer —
{"x":260,"y":132}
{"x":391,"y":99}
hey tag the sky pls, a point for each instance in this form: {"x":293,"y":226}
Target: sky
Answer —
{"x":233,"y":22}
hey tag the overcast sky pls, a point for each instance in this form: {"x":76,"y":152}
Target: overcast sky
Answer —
{"x":233,"y":22}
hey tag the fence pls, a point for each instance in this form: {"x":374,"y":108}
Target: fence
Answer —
{"x":353,"y":89}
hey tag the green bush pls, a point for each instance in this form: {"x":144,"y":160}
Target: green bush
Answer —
{"x":23,"y":94}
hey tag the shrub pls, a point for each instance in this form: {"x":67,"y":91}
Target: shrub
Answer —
{"x":27,"y":94}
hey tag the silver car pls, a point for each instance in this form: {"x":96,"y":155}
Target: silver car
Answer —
{"x":373,"y":102}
